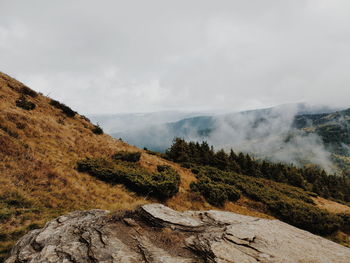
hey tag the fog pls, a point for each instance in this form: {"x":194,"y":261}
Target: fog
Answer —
{"x":271,"y":136}
{"x":266,"y":133}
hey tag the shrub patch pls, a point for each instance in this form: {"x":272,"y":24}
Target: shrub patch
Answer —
{"x":64,"y":108}
{"x":161,"y":184}
{"x":25,"y":104}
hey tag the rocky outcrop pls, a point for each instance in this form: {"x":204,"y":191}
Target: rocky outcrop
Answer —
{"x":157,"y":234}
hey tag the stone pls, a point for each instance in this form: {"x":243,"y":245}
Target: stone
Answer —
{"x":155,"y":233}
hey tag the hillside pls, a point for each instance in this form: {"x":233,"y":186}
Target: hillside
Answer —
{"x":333,"y":128}
{"x":43,"y":142}
{"x":39,"y":149}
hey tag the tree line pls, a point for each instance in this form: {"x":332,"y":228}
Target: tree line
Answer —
{"x":311,"y":178}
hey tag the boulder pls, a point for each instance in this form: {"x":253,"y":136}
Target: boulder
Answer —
{"x":155,"y":233}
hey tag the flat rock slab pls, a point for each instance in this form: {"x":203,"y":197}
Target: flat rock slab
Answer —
{"x":155,"y":233}
{"x":163,"y":216}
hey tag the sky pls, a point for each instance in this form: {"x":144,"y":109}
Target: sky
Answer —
{"x":188,"y":55}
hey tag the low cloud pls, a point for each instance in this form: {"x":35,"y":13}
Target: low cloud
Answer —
{"x":267,"y":134}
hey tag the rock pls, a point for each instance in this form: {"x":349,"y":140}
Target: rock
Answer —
{"x":160,"y":215}
{"x":155,"y":233}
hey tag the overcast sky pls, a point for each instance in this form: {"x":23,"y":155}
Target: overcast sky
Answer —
{"x":137,"y":56}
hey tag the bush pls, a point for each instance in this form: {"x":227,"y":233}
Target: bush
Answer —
{"x":85,"y":118}
{"x":288,"y":203}
{"x":216,"y":194}
{"x":97,"y":130}
{"x":64,"y":108}
{"x":345,"y":222}
{"x":99,"y":168}
{"x":164,"y":168}
{"x":305,"y":216}
{"x":195,"y":170}
{"x":127,"y":156}
{"x":28,"y":91}
{"x":23,"y":103}
{"x":162,"y":184}
{"x":189,"y":154}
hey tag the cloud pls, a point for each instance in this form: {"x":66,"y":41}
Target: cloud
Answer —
{"x":137,"y":56}
{"x":270,"y":135}
{"x":266,"y":134}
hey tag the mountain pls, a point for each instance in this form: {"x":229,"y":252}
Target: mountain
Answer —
{"x":54,"y":161}
{"x":290,"y":133}
{"x":333,"y":128}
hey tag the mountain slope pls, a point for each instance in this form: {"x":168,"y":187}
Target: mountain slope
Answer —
{"x":41,"y":141}
{"x":39,"y":149}
{"x":38,"y":152}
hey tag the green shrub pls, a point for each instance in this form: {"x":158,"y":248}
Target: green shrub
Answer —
{"x":97,"y":130}
{"x":305,"y":216}
{"x":127,"y":156}
{"x":99,"y":168}
{"x":216,"y":193}
{"x":345,"y":221}
{"x":85,"y":118}
{"x":23,"y":103}
{"x":164,"y":168}
{"x":28,"y":91}
{"x":162,"y":184}
{"x":288,"y":203}
{"x":190,"y":154}
{"x":195,"y":170}
{"x":64,"y":108}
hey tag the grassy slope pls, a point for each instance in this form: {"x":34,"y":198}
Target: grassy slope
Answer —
{"x":38,"y":180}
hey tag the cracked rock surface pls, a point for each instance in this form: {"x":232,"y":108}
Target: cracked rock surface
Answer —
{"x":155,"y":233}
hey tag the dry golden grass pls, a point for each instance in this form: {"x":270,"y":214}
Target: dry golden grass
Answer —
{"x":331,"y":206}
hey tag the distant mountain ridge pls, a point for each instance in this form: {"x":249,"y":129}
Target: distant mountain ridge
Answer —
{"x":114,"y":123}
{"x":299,"y":125}
{"x":202,"y":126}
